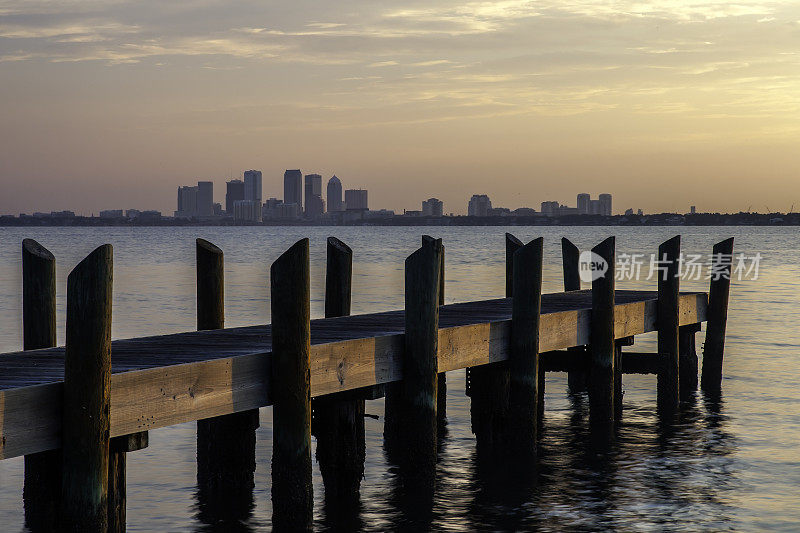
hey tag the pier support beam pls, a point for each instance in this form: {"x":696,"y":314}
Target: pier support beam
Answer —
{"x":489,"y":386}
{"x":603,"y":348}
{"x":117,"y":462}
{"x":87,"y":383}
{"x":570,"y":258}
{"x":688,"y":360}
{"x":292,"y":491}
{"x":418,"y":389}
{"x":338,"y":422}
{"x":441,"y":394}
{"x":524,"y":354}
{"x":225,"y":444}
{"x":42,"y":489}
{"x":718,"y":296}
{"x":667,"y":322}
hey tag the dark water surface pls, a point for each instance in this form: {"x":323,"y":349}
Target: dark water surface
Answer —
{"x":731,"y":464}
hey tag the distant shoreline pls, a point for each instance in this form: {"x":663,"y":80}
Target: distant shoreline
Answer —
{"x":662,"y":219}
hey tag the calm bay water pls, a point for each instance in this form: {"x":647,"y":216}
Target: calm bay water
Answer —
{"x":729,"y":465}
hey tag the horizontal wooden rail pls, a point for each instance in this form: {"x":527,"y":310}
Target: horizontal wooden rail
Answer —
{"x":150,"y":398}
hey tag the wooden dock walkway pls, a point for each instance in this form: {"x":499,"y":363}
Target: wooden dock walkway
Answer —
{"x":221,"y":376}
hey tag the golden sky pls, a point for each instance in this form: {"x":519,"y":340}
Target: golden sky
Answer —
{"x":110,"y":104}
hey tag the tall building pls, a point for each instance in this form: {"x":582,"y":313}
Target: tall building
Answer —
{"x":293,"y":188}
{"x":479,"y":205}
{"x":252,"y":186}
{"x":205,"y":198}
{"x":432,"y":207}
{"x":605,"y":204}
{"x":551,"y":209}
{"x":595,"y":208}
{"x":314,"y":204}
{"x":247,"y":211}
{"x":584,"y":202}
{"x":335,"y":195}
{"x":356,"y":200}
{"x":234,"y":191}
{"x":187,"y":201}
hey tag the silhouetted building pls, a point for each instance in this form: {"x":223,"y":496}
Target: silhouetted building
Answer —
{"x":293,"y":188}
{"x":479,"y":205}
{"x":432,"y":207}
{"x":605,"y":204}
{"x":550,"y":208}
{"x":356,"y":199}
{"x":234,"y":191}
{"x":205,"y":198}
{"x":111,"y":213}
{"x":187,"y":202}
{"x":252,"y":186}
{"x":247,"y":211}
{"x":584,"y":201}
{"x":335,"y":203}
{"x":314,"y":204}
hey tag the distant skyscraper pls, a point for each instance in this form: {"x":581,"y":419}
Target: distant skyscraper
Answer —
{"x":584,"y":201}
{"x":693,"y":210}
{"x":187,"y":201}
{"x":314,"y":204}
{"x":335,"y":195}
{"x":605,"y":204}
{"x":551,"y":209}
{"x":293,"y":188}
{"x":205,"y":198}
{"x":252,"y":186}
{"x":479,"y":205}
{"x":432,"y":207}
{"x":595,"y":208}
{"x":233,"y":193}
{"x":356,"y":200}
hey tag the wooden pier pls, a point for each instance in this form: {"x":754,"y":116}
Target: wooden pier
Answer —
{"x":115,"y":392}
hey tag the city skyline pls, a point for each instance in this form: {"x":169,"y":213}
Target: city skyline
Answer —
{"x":542,"y":99}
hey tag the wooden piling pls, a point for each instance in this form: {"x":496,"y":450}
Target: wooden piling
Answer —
{"x":117,"y":462}
{"x":42,"y":488}
{"x":667,"y":319}
{"x":292,"y":491}
{"x":524,"y":353}
{"x":688,"y":366}
{"x":570,"y":259}
{"x":603,"y":348}
{"x":441,"y":393}
{"x":489,"y":386}
{"x":225,"y":444}
{"x":87,"y":380}
{"x":418,"y":389}
{"x":338,"y":422}
{"x":718,"y":296}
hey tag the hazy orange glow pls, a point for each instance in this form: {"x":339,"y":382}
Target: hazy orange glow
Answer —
{"x":664,"y":104}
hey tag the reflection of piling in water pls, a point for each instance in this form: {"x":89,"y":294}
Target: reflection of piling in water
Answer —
{"x":221,"y":377}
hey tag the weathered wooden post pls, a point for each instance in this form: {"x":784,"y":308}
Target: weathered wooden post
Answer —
{"x":418,"y":389}
{"x":489,"y":386}
{"x":117,"y":464}
{"x":668,"y":321}
{"x":688,"y":360}
{"x":570,"y":259}
{"x":87,"y":383}
{"x":338,"y":422}
{"x":718,"y":296}
{"x":524,"y":357}
{"x":603,"y":348}
{"x":225,"y":444}
{"x":441,"y":394}
{"x":292,"y":491}
{"x":42,"y":487}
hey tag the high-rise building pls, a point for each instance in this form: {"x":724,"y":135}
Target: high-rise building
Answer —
{"x":432,"y":207}
{"x":252,"y":186}
{"x":335,"y":195}
{"x":247,"y":211}
{"x":187,"y":201}
{"x":550,"y":208}
{"x":605,"y":204}
{"x":314,"y":204}
{"x":693,"y":210}
{"x":584,"y":202}
{"x":479,"y":205}
{"x":356,"y":200}
{"x":595,"y":208}
{"x":293,"y":188}
{"x":205,"y":198}
{"x":234,"y":191}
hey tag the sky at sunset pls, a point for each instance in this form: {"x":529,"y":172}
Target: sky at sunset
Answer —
{"x":110,"y":104}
